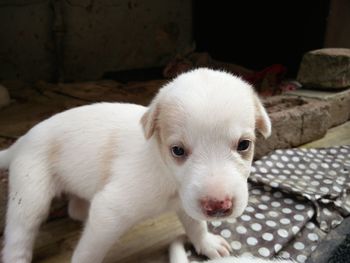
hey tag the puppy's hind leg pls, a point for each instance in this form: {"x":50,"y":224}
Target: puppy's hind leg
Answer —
{"x":78,"y":209}
{"x":30,"y":194}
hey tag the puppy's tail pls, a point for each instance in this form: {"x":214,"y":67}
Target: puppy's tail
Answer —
{"x":177,"y":252}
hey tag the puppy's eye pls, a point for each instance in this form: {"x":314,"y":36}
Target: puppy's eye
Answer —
{"x":177,"y":151}
{"x":243,"y":145}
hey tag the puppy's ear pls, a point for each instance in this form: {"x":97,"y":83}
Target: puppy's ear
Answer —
{"x":150,"y":118}
{"x":262,"y":120}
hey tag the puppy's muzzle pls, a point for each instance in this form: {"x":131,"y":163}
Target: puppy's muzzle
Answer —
{"x":217,"y":208}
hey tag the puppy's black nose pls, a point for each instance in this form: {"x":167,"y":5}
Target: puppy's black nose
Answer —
{"x":217,"y":208}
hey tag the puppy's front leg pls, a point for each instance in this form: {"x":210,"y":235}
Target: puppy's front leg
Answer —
{"x":205,"y":243}
{"x":108,"y":219}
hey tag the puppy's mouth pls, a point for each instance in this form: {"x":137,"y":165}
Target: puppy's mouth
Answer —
{"x":219,"y":213}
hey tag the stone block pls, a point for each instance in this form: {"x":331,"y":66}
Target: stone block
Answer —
{"x":325,"y":69}
{"x":295,"y":121}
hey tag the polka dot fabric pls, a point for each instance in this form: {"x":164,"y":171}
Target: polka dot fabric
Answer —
{"x":296,"y":196}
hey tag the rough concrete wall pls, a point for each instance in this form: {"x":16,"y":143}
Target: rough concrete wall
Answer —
{"x":116,"y":35}
{"x":82,"y":39}
{"x":26,"y":47}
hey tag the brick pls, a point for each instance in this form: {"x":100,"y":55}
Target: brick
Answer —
{"x":295,"y":121}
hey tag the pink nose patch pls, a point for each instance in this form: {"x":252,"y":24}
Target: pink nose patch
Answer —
{"x":217,"y":208}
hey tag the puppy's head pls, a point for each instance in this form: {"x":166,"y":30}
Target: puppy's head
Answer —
{"x":204,"y":123}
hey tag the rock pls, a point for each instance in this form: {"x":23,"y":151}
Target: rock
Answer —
{"x":327,"y":68}
{"x":4,"y":97}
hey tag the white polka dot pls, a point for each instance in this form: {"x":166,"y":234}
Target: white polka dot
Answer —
{"x":291,"y":166}
{"x":274,"y":184}
{"x":273,"y":214}
{"x":216,"y":223}
{"x":226,"y":233}
{"x":299,"y":217}
{"x":284,"y":254}
{"x":300,"y":207}
{"x":326,"y":212}
{"x":267,"y":236}
{"x":282,"y":233}
{"x":312,"y":236}
{"x":337,"y":188}
{"x":263,"y":251}
{"x":324,"y":189}
{"x":277,"y":247}
{"x":313,"y":166}
{"x":276,"y":204}
{"x":252,"y":169}
{"x":271,"y":223}
{"x":294,"y":177}
{"x":288,"y":201}
{"x":335,"y":165}
{"x":324,"y":165}
{"x":295,"y":159}
{"x":274,"y":157}
{"x":306,"y":177}
{"x":270,"y":176}
{"x":249,"y":209}
{"x":295,"y":229}
{"x":289,"y":152}
{"x":256,"y":227}
{"x":284,"y":158}
{"x":285,"y":221}
{"x":241,"y":230}
{"x":231,"y":220}
{"x":280,"y":165}
{"x":318,"y":176}
{"x":286,"y":210}
{"x":256,"y":191}
{"x":310,"y":225}
{"x":275,"y":171}
{"x":263,"y":170}
{"x":252,"y":241}
{"x":301,"y":258}
{"x":298,"y":172}
{"x":269,"y":163}
{"x":299,"y":246}
{"x":262,"y":206}
{"x":245,"y":218}
{"x":315,"y":183}
{"x":301,"y":166}
{"x":265,"y":198}
{"x":236,"y":245}
{"x":259,"y":216}
{"x":327,"y":181}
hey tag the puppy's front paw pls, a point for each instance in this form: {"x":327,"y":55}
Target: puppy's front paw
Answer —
{"x":212,"y":246}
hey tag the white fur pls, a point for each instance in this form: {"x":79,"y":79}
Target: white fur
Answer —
{"x":114,"y":161}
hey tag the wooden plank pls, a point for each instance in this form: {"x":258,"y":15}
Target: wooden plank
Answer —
{"x":145,"y":240}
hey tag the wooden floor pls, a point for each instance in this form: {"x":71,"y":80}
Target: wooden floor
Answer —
{"x":147,"y":242}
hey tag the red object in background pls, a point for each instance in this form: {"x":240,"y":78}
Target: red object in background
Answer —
{"x":268,"y":80}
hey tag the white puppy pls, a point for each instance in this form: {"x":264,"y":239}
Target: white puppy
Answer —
{"x":189,"y":151}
